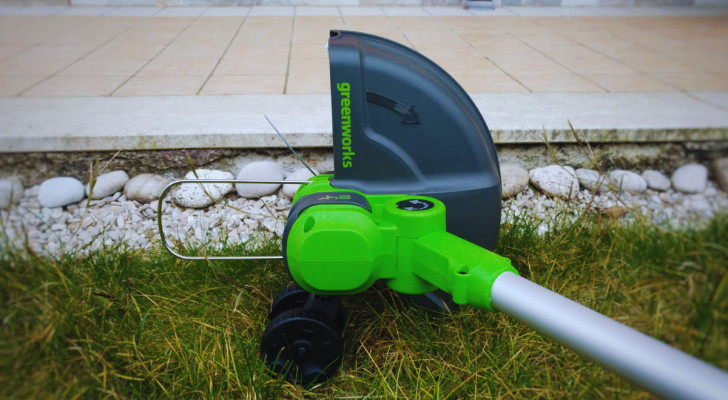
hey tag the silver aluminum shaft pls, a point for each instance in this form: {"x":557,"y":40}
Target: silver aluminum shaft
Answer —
{"x":636,"y":357}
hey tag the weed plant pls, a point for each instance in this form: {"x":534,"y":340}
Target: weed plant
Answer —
{"x":120,"y":323}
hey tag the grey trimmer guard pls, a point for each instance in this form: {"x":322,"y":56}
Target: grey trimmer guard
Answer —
{"x":401,"y":124}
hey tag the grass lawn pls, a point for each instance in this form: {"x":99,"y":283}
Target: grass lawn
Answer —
{"x":141,"y":324}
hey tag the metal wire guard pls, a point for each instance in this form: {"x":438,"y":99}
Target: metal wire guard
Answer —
{"x":200,"y":181}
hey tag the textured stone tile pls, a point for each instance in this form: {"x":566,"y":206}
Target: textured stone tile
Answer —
{"x":103,"y":67}
{"x":195,"y":49}
{"x":695,"y":80}
{"x":174,"y":66}
{"x":231,"y":85}
{"x":494,"y":82}
{"x":309,"y":51}
{"x":12,"y":86}
{"x":558,"y":82}
{"x":15,"y":67}
{"x":305,"y":83}
{"x":317,"y":11}
{"x":135,"y":11}
{"x":498,"y":12}
{"x":528,"y":64}
{"x":456,"y":49}
{"x":595,"y":64}
{"x":303,"y":66}
{"x":127,"y":49}
{"x":86,"y":11}
{"x":76,"y":86}
{"x":421,"y":23}
{"x":181,"y":12}
{"x":470,"y":65}
{"x":405,"y":11}
{"x":244,"y":51}
{"x":651,"y":62}
{"x":426,"y":38}
{"x":161,"y":86}
{"x":447,"y":11}
{"x":369,"y":22}
{"x":360,"y":11}
{"x":10,"y":50}
{"x":629,"y":82}
{"x":39,"y":10}
{"x":260,"y":11}
{"x":42,"y":53}
{"x":534,"y":11}
{"x":227,"y":12}
{"x":271,"y":66}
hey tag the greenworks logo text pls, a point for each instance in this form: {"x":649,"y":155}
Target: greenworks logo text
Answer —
{"x":347,"y":155}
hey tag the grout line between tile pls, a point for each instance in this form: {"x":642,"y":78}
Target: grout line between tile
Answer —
{"x":600,"y":53}
{"x":155,"y":56}
{"x":219,"y":60}
{"x":389,"y":17}
{"x":557,"y":62}
{"x":74,"y":61}
{"x":290,"y":49}
{"x":494,"y":63}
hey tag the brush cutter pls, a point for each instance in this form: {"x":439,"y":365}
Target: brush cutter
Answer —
{"x":415,"y":201}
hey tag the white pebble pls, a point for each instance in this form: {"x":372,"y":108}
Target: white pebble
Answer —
{"x":690,"y":178}
{"x":301,"y":174}
{"x":60,"y":191}
{"x":260,"y":171}
{"x":196,"y":195}
{"x":627,"y":181}
{"x":11,"y":192}
{"x":107,"y":184}
{"x":556,"y":181}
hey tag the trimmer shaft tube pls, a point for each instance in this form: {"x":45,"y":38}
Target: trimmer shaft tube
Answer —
{"x":636,"y":357}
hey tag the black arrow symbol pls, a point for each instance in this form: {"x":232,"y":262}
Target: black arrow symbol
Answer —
{"x":408,"y":113}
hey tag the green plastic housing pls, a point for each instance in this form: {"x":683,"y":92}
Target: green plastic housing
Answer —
{"x":344,"y":248}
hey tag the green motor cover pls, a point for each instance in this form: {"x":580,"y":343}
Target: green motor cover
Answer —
{"x":341,"y":241}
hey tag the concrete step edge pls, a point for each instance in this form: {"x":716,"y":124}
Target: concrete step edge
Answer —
{"x":214,"y":122}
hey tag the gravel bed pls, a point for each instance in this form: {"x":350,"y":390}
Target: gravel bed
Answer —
{"x":89,"y":225}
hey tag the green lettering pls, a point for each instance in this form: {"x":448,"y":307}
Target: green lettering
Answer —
{"x":345,"y":113}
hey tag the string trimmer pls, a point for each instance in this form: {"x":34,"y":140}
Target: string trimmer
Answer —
{"x":409,"y":147}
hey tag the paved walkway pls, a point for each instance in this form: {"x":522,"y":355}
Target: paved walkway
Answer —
{"x":59,"y":53}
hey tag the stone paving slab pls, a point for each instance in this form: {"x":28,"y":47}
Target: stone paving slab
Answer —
{"x":145,"y":123}
{"x":106,"y":78}
{"x":92,"y":51}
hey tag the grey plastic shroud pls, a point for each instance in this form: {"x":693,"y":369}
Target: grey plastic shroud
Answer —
{"x":636,"y":357}
{"x":402,"y":125}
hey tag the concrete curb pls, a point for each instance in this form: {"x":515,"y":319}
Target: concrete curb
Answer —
{"x":217,"y":122}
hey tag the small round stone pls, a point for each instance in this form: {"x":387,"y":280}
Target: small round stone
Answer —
{"x":514,"y":179}
{"x":592,"y":180}
{"x":627,"y":181}
{"x":720,"y":168}
{"x":301,"y":174}
{"x":60,"y":191}
{"x":261,"y":171}
{"x":11,"y":191}
{"x":107,"y":184}
{"x":690,"y":178}
{"x":656,"y":180}
{"x":555,"y":181}
{"x":145,"y":188}
{"x":192,"y":195}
